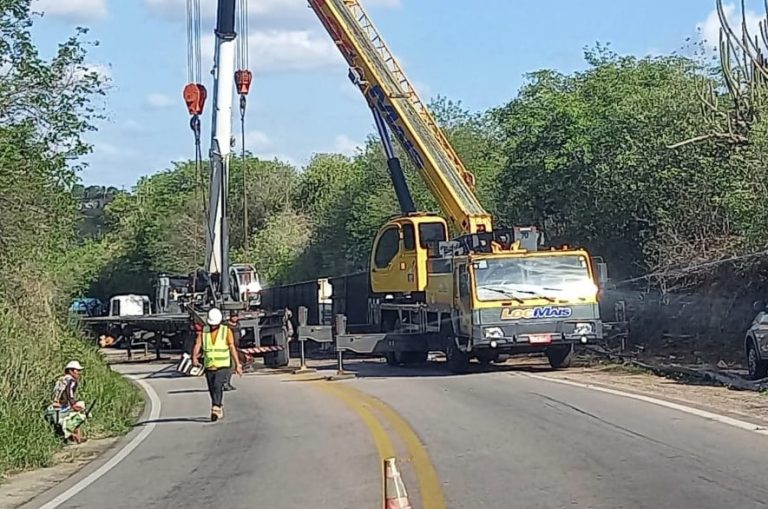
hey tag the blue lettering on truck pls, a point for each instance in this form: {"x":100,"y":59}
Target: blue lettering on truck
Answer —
{"x":535,"y":313}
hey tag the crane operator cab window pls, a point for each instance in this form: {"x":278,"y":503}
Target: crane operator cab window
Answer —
{"x":430,"y":234}
{"x":399,"y":263}
{"x":387,"y":247}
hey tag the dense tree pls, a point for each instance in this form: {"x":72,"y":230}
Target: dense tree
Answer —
{"x":590,"y":158}
{"x":600,"y":158}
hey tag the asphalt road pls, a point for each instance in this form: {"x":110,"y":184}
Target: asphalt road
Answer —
{"x":484,"y":440}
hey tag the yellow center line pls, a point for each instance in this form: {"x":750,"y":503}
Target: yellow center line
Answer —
{"x":380,"y":436}
{"x":431,"y":491}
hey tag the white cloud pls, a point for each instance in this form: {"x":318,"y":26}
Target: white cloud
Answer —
{"x":346,"y":145}
{"x":285,"y":35}
{"x":286,"y":50}
{"x":159,"y":101}
{"x":261,"y":13}
{"x":75,"y":10}
{"x":254,"y":141}
{"x":709,"y":29}
{"x":103,"y":71}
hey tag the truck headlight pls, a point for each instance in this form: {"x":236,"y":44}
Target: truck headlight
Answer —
{"x":583,"y":329}
{"x":494,"y":332}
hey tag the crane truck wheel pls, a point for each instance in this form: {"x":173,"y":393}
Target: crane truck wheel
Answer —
{"x":560,"y":357}
{"x":458,"y":361}
{"x":413,"y":357}
{"x":486,"y":360}
{"x":405,"y":358}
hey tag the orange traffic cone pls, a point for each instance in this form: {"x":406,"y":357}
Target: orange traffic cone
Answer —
{"x":395,"y":496}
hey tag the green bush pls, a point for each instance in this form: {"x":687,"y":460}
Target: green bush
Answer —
{"x":32,"y":356}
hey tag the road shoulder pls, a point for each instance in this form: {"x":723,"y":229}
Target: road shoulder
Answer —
{"x":73,"y":461}
{"x":744,"y":405}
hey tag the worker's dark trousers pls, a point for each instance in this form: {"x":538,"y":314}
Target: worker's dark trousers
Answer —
{"x":216,"y":379}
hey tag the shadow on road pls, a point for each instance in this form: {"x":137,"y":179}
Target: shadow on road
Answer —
{"x":165,"y":420}
{"x":188,"y":391}
{"x":372,"y":369}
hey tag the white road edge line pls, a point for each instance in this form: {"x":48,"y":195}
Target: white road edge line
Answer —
{"x":748,"y":426}
{"x":154,"y":413}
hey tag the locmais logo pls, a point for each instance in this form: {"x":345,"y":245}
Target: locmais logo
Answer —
{"x":535,"y":313}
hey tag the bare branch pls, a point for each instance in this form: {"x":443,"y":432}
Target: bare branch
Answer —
{"x":731,"y":137}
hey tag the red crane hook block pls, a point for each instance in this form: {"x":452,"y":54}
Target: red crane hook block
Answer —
{"x":243,"y":79}
{"x":195,"y":95}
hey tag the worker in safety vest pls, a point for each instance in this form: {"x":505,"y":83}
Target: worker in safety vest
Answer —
{"x":217,"y":344}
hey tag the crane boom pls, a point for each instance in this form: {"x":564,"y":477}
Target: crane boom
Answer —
{"x":386,"y":88}
{"x":217,"y":245}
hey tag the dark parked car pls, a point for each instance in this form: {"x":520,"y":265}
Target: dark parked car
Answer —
{"x":756,"y":343}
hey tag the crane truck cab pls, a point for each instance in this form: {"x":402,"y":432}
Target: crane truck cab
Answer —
{"x":519,"y":301}
{"x":245,"y":284}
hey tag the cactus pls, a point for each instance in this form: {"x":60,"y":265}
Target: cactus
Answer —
{"x":744,"y":69}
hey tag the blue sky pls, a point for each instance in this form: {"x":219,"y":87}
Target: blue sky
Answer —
{"x":301,"y":102}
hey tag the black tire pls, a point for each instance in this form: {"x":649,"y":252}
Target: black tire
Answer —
{"x":458,"y":361}
{"x":560,"y":357}
{"x":410,"y":358}
{"x":486,"y":360}
{"x":758,"y":368}
{"x":391,"y":359}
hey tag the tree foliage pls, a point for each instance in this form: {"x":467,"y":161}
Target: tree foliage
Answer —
{"x":599,"y":158}
{"x":47,"y":106}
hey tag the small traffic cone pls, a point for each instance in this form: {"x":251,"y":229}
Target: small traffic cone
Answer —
{"x":395,"y":496}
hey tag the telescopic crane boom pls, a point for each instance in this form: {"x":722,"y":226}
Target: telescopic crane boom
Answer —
{"x":391,"y":96}
{"x":218,"y":279}
{"x":217,"y":240}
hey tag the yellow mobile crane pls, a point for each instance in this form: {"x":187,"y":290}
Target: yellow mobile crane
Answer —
{"x":485,"y":293}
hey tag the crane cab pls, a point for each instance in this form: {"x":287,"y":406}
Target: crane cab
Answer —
{"x":400,"y":254}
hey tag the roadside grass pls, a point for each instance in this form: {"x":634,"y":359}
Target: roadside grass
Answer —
{"x":33,"y":352}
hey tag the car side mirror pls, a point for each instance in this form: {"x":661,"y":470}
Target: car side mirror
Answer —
{"x":758,"y":306}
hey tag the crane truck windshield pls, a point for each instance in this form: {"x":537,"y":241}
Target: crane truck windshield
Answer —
{"x":554,"y":278}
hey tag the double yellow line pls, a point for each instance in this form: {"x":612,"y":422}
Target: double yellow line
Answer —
{"x":367,"y":407}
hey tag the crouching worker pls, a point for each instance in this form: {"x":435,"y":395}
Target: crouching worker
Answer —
{"x":65,"y":413}
{"x":217,"y":343}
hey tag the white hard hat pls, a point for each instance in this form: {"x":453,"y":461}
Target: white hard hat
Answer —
{"x":73,"y":365}
{"x":214,"y":317}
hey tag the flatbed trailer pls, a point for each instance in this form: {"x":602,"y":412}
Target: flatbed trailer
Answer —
{"x":259,"y":333}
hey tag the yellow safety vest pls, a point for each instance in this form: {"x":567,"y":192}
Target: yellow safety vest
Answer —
{"x":216,"y":353}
